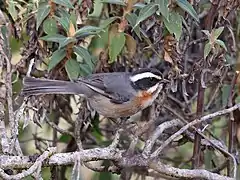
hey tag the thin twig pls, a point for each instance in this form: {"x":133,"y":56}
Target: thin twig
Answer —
{"x":54,"y":126}
{"x":196,"y":121}
{"x":231,"y":123}
{"x":159,"y":130}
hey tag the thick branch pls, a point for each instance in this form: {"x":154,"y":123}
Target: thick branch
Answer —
{"x":118,"y":156}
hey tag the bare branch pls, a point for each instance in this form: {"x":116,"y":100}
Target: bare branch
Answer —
{"x":196,"y":121}
{"x":159,"y":130}
{"x":3,"y":132}
{"x":186,"y":173}
{"x":35,"y":167}
{"x":116,"y":155}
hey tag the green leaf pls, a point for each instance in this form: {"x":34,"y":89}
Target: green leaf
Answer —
{"x":64,"y":21}
{"x":207,"y":49}
{"x":146,"y":12}
{"x":72,"y":68}
{"x":66,"y":41}
{"x":97,"y":8}
{"x":139,"y":5}
{"x":225,"y":93}
{"x":57,"y":56}
{"x":132,"y":19}
{"x":99,"y":43}
{"x":62,"y":12}
{"x":12,"y":9}
{"x":118,"y":2}
{"x":163,"y":8}
{"x":42,"y":13}
{"x":65,"y":3}
{"x":82,"y":52}
{"x":106,"y":22}
{"x":174,"y":25}
{"x":85,"y":70}
{"x":221,"y":43}
{"x":73,"y":19}
{"x":87,"y":30}
{"x":53,"y":37}
{"x":217,"y":32}
{"x":116,"y":45}
{"x":50,"y":26}
{"x":186,"y":6}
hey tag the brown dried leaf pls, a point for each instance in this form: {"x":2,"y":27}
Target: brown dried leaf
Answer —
{"x":72,"y":30}
{"x":167,"y":57}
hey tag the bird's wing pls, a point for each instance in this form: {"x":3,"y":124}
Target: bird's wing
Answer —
{"x":112,"y":85}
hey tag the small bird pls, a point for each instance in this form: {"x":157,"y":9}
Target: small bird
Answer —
{"x":113,"y":95}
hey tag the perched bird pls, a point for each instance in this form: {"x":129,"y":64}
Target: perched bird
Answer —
{"x":115,"y":95}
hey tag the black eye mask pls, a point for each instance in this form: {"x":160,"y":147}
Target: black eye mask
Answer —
{"x":145,"y":83}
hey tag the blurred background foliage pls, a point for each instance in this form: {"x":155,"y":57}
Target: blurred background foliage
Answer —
{"x":194,"y":43}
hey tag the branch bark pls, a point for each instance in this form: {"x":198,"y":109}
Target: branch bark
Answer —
{"x":116,"y":155}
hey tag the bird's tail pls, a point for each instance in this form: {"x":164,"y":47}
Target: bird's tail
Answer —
{"x":36,"y":86}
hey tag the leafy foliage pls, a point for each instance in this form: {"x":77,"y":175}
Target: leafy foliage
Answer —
{"x":194,"y":43}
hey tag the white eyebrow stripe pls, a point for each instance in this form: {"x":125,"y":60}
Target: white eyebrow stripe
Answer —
{"x":144,"y":75}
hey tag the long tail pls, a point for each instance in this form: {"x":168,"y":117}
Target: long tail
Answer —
{"x":35,"y":86}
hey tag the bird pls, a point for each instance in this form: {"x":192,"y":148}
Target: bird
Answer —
{"x":112,"y":95}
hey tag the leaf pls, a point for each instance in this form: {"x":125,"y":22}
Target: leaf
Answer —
{"x":87,"y":30}
{"x":62,"y":12}
{"x":71,"y":31}
{"x":225,"y":93}
{"x":97,"y":8}
{"x":53,"y":37}
{"x":57,"y":56}
{"x":108,"y":21}
{"x":132,"y":18}
{"x":66,"y":41}
{"x":163,"y":8}
{"x":217,"y":32}
{"x":167,"y":57}
{"x":186,"y":6}
{"x":65,"y":3}
{"x":174,"y":25}
{"x":73,"y":19}
{"x":131,"y":45}
{"x":118,"y":2}
{"x":146,"y":12}
{"x":85,"y":70}
{"x":116,"y":45}
{"x":139,"y":5}
{"x":42,"y":13}
{"x":12,"y":9}
{"x":64,"y":21}
{"x":207,"y":49}
{"x":82,"y":52}
{"x":50,"y":26}
{"x":221,"y":43}
{"x":72,"y":68}
{"x":99,"y":43}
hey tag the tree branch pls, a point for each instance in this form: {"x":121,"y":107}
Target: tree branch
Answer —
{"x":118,"y":156}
